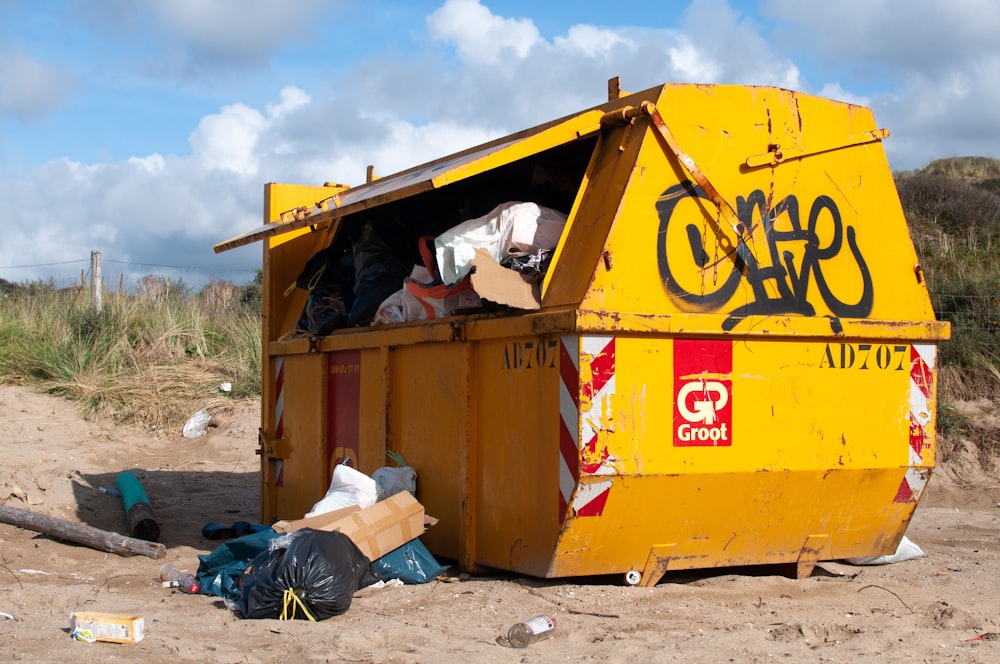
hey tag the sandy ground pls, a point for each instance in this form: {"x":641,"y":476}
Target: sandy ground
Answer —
{"x":944,"y":607}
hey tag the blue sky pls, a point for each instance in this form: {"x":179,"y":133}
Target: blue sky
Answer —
{"x":146,"y":130}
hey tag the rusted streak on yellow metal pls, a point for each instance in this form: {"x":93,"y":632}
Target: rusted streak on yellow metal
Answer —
{"x":624,"y":115}
{"x":656,"y":564}
{"x":777,"y":155}
{"x":724,"y":208}
{"x":699,"y":176}
{"x":324,"y":204}
{"x":589,"y":456}
{"x":799,"y":327}
{"x":717,"y":376}
{"x":810,"y":554}
{"x":586,"y":376}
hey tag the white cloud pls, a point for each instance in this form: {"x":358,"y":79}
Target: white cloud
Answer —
{"x":928,"y":34}
{"x":29,"y":87}
{"x":690,"y":63}
{"x":395,"y":113}
{"x":591,"y":41}
{"x":723,"y":46}
{"x":541,"y":79}
{"x":935,"y":115}
{"x":237,"y":29}
{"x":402,"y":146}
{"x":835,"y":91}
{"x":479,"y":36}
{"x":291,"y":99}
{"x":152,"y":164}
{"x":191,"y":40}
{"x":929,"y":67}
{"x":407,"y":144}
{"x":227,"y":140}
{"x":153,"y":215}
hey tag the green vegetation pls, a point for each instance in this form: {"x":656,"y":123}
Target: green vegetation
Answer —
{"x":151,"y":358}
{"x":953,"y":209}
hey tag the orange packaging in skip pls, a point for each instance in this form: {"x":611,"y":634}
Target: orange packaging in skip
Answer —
{"x":376,"y":530}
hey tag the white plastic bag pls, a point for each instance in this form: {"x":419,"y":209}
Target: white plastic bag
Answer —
{"x":197,"y":424}
{"x":348,"y":487}
{"x":522,"y":227}
{"x":391,"y":481}
{"x":906,"y":550}
{"x":401,"y":306}
{"x":416,"y":301}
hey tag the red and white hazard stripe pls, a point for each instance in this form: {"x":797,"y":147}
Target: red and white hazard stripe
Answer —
{"x":587,"y":388}
{"x":922,"y":361}
{"x":279,"y":414}
{"x":569,"y":420}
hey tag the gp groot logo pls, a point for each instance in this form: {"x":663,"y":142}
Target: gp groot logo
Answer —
{"x":703,"y":389}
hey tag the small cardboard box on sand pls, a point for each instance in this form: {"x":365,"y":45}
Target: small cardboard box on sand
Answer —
{"x":112,"y":627}
{"x":377,"y":530}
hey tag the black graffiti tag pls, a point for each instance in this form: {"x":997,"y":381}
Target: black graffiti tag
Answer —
{"x":790,"y":281}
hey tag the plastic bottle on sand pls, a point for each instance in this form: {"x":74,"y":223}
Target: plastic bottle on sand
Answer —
{"x":174,"y":578}
{"x":525,"y":633}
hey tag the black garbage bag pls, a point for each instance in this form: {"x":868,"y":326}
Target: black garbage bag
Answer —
{"x":329,"y":278}
{"x":380,"y":265}
{"x":534,"y":265}
{"x":313,"y":579}
{"x":324,"y":312}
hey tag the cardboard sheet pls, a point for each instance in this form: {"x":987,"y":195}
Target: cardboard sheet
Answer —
{"x":498,"y":284}
{"x":377,"y":530}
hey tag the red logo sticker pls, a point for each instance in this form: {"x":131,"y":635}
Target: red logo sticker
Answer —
{"x":343,"y":410}
{"x":703,"y":393}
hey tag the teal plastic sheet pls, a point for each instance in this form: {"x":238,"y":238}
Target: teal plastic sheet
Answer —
{"x":219,"y":571}
{"x":410,"y":563}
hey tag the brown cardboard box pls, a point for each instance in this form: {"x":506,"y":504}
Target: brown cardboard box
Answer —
{"x":377,"y":530}
{"x":111,"y":627}
{"x":498,"y":284}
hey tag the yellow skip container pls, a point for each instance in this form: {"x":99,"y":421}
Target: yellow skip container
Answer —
{"x":732,"y":360}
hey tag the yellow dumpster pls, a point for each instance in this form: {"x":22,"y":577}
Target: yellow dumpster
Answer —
{"x":730,"y":358}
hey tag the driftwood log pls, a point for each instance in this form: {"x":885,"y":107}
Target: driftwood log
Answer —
{"x":95,"y":538}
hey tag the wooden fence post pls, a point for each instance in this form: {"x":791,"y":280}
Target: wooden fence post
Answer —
{"x":95,"y":281}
